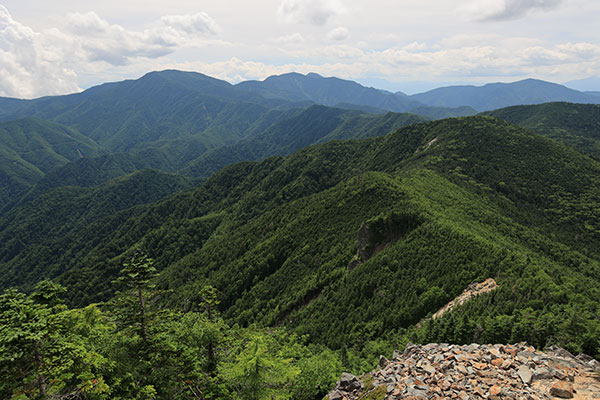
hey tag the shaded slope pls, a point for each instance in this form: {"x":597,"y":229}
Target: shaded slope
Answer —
{"x":577,"y":125}
{"x":30,"y":148}
{"x":317,"y":124}
{"x":50,"y":222}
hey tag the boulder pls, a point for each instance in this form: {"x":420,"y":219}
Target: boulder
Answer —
{"x":525,"y":374}
{"x":349,"y":383}
{"x":562,"y":389}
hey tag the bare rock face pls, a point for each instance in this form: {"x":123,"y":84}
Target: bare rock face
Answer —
{"x":445,"y":371}
{"x":474,"y":289}
{"x":374,"y":235}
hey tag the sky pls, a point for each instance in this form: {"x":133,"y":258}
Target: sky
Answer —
{"x":64,"y":46}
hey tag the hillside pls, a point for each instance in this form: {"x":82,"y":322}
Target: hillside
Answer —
{"x":577,"y":125}
{"x":30,"y":148}
{"x":351,"y":242}
{"x":316,"y":124}
{"x":53,"y":222}
{"x":278,"y":133}
{"x":498,"y":95}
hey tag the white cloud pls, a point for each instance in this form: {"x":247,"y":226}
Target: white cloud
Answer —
{"x":118,"y":46}
{"x":338,"y":34}
{"x":502,"y":10}
{"x":313,"y":12}
{"x":29,"y":63}
{"x":200,"y":23}
{"x":294,"y":38}
{"x":33,"y":63}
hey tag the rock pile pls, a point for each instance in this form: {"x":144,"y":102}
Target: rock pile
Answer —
{"x":443,"y":371}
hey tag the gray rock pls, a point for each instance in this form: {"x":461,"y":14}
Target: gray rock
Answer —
{"x":525,"y":374}
{"x":410,"y":349}
{"x":558,"y":352}
{"x":594,"y":364}
{"x":429,"y":369}
{"x":349,"y":383}
{"x":472,"y":347}
{"x":383,"y":361}
{"x":542,"y":373}
{"x":584,"y":358}
{"x":335,"y":395}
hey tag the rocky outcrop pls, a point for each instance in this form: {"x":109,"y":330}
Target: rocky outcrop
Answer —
{"x":377,"y":233}
{"x":444,"y":371}
{"x":474,"y":289}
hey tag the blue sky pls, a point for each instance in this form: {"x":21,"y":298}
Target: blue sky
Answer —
{"x":64,"y":46}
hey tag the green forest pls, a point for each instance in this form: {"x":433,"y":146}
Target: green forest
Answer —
{"x":271,"y":278}
{"x":231,"y":243}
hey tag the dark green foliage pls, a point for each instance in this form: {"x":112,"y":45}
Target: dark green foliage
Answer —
{"x":49,"y":351}
{"x":577,"y":125}
{"x":317,"y":124}
{"x":448,"y":203}
{"x":42,"y":354}
{"x":67,"y":218}
{"x":30,"y":148}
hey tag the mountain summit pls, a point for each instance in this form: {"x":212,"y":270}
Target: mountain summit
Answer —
{"x":499,"y":95}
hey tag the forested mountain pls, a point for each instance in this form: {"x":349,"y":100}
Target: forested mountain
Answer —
{"x":276,"y":133}
{"x":577,"y":125}
{"x":190,"y":123}
{"x":440,"y":204}
{"x":160,"y":106}
{"x":327,"y":91}
{"x":317,"y":124}
{"x":499,"y":95}
{"x":336,"y":245}
{"x":345,"y":94}
{"x":30,"y":148}
{"x":46,"y":225}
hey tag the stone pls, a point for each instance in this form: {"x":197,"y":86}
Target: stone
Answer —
{"x":525,"y":374}
{"x":429,"y":369}
{"x":383,"y":361}
{"x":336,"y":395}
{"x":464,"y":396}
{"x":542,"y":373}
{"x":495,"y":390}
{"x":561,"y":389}
{"x":497,"y":362}
{"x":349,"y":382}
{"x":436,"y":372}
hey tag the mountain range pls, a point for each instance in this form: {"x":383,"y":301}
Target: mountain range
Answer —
{"x":193,"y":124}
{"x":303,"y":222}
